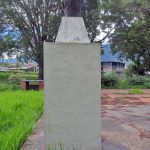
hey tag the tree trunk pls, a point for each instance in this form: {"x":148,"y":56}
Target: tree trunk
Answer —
{"x":41,"y":71}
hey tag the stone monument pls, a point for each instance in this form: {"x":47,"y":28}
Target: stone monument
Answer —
{"x":72,"y":86}
{"x":72,"y":8}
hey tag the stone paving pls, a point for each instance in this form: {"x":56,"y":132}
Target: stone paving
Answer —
{"x":125,"y":123}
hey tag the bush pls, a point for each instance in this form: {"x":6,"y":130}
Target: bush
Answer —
{"x":15,"y":78}
{"x":147,"y":85}
{"x":136,"y":91}
{"x":137,"y":80}
{"x":6,"y":87}
{"x":3,"y":88}
{"x":109,"y":80}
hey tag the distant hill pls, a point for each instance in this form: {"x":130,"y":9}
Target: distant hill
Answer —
{"x":12,"y":60}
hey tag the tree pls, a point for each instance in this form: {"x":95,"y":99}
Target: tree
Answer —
{"x":8,"y":40}
{"x":38,"y":21}
{"x":91,"y":15}
{"x":130,"y":22}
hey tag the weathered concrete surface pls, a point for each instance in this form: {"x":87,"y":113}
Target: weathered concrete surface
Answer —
{"x":126,"y":128}
{"x":72,"y":98}
{"x":72,"y":30}
{"x":36,"y":140}
{"x":125,"y":120}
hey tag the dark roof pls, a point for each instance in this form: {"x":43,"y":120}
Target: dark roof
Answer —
{"x":108,"y":56}
{"x":113,"y":61}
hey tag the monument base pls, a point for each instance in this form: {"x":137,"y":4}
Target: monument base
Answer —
{"x":72,"y":96}
{"x":72,"y":30}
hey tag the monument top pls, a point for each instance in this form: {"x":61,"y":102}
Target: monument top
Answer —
{"x":72,"y":8}
{"x":72,"y":30}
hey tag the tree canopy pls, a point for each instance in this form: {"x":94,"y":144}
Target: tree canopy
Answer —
{"x":39,"y":20}
{"x":130,"y":22}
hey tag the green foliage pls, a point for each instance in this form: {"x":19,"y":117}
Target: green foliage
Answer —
{"x":4,"y":64}
{"x":19,"y":113}
{"x":30,"y":75}
{"x":15,"y":78}
{"x":7,"y":45}
{"x":109,"y":80}
{"x":129,"y":21}
{"x":4,"y":76}
{"x":136,"y":91}
{"x":147,"y":85}
{"x":91,"y":16}
{"x":136,"y":80}
{"x":8,"y":87}
{"x":39,"y":21}
{"x":129,"y":71}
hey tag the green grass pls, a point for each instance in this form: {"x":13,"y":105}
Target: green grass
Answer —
{"x":5,"y":75}
{"x":19,"y":112}
{"x":4,"y":82}
{"x":136,"y":91}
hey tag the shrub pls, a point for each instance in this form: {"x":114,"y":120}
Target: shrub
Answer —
{"x":136,"y":91}
{"x":109,"y":80}
{"x":123,"y":84}
{"x":3,"y":88}
{"x":6,"y":87}
{"x":147,"y":79}
{"x":147,"y":85}
{"x":137,"y":80}
{"x":15,"y":78}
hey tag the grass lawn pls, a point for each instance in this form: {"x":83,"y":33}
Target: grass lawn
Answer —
{"x":19,"y":112}
{"x":4,"y":82}
{"x":5,"y":75}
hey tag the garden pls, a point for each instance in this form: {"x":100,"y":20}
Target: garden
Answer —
{"x":19,"y":110}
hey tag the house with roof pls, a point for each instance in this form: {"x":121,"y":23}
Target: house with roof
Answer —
{"x":111,"y":62}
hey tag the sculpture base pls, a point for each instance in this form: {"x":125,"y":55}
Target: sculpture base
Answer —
{"x":72,"y":30}
{"x":72,"y":96}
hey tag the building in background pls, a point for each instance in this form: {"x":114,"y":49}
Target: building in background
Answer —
{"x":12,"y":65}
{"x":111,"y":63}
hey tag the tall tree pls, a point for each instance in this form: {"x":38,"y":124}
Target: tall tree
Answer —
{"x":9,"y":38}
{"x":130,"y":22}
{"x":91,"y":15}
{"x":38,"y":21}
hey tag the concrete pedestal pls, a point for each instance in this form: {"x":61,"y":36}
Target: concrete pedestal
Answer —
{"x":72,"y":30}
{"x":72,"y":96}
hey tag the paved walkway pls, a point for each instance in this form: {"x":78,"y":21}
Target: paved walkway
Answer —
{"x":125,"y":123}
{"x":36,"y":140}
{"x":125,"y":120}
